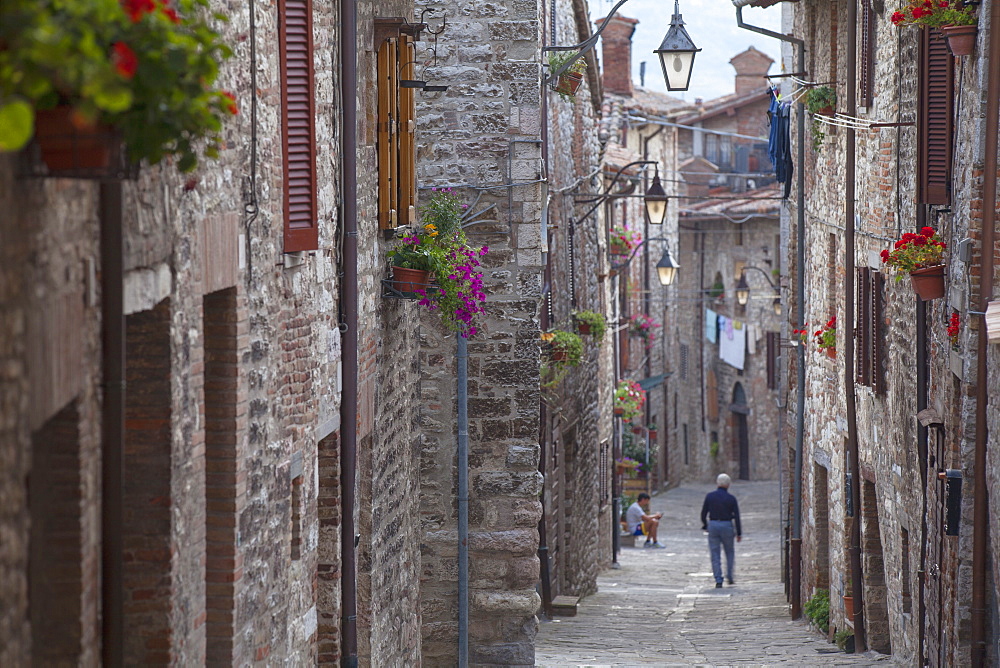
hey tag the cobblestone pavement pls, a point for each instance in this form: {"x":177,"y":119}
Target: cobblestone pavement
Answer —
{"x":661,"y":608}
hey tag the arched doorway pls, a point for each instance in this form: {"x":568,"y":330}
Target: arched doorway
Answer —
{"x":741,"y":435}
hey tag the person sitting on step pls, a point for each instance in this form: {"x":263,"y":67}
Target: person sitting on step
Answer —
{"x":641,"y":522}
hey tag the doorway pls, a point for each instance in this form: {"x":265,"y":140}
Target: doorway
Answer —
{"x":741,"y":433}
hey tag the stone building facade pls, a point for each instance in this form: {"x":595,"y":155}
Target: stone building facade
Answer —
{"x":914,"y":385}
{"x":235,"y":382}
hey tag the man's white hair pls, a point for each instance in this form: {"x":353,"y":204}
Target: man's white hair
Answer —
{"x":723,"y":480}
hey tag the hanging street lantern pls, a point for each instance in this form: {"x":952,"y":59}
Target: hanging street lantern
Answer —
{"x":656,"y":202}
{"x":742,"y":290}
{"x":677,"y":53}
{"x":666,"y":268}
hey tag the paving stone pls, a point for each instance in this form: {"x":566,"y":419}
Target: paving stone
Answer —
{"x":661,"y":607}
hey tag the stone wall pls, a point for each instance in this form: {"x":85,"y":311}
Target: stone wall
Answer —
{"x":895,"y":544}
{"x":481,"y":138}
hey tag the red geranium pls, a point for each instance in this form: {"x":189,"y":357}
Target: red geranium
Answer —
{"x":915,"y":251}
{"x":827,"y":336}
{"x":125,"y":59}
{"x":934,"y":13}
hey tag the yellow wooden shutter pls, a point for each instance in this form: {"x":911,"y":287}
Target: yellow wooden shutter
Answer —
{"x":407,"y":135}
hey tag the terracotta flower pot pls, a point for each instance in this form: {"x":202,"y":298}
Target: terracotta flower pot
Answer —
{"x":637,"y":430}
{"x":961,"y":39}
{"x":558,"y":355}
{"x":652,"y":434}
{"x":68,"y":146}
{"x":928,"y":282}
{"x":849,"y":608}
{"x":619,"y":411}
{"x":831,"y":353}
{"x":826,"y":111}
{"x":583,"y":327}
{"x":568,"y":83}
{"x":408,"y":281}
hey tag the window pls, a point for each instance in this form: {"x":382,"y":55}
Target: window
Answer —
{"x":397,"y":183}
{"x":604,"y":474}
{"x":712,"y":147}
{"x":298,"y":132}
{"x":935,"y":122}
{"x":870,"y":358}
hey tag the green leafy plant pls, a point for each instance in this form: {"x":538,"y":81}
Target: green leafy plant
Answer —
{"x":717,"y":290}
{"x":817,"y":609}
{"x":713,"y":449}
{"x":559,"y":58}
{"x":441,"y":248}
{"x":562,"y":341}
{"x":935,"y":13}
{"x":146,"y":68}
{"x":817,"y":100}
{"x":841,"y":637}
{"x":597,"y":322}
{"x":826,"y":337}
{"x":915,"y":251}
{"x":630,"y":397}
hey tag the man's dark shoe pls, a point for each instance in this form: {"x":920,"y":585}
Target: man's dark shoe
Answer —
{"x":718,"y":585}
{"x":731,"y":582}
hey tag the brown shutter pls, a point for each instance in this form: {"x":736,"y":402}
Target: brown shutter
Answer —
{"x":863,"y":327}
{"x":407,"y":135}
{"x":388,"y":136}
{"x":773,"y":349}
{"x":301,"y":230}
{"x":935,"y":120}
{"x":866,"y":57}
{"x":878,"y":332}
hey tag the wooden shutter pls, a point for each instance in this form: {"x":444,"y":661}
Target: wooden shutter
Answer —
{"x":866,"y":56}
{"x":876,"y":281}
{"x":301,"y":230}
{"x":773,"y":350}
{"x":407,"y":135}
{"x":863,"y":328}
{"x":935,"y":120}
{"x":388,"y":134}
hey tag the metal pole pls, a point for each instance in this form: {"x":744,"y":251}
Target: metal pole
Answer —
{"x":349,"y":397}
{"x":857,"y":572}
{"x":463,"y":502}
{"x":113,"y":424}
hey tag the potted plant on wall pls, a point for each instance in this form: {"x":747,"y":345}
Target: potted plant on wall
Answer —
{"x":629,"y":399}
{"x":819,"y":101}
{"x":568,"y":81}
{"x":454,"y":285}
{"x":78,"y":75}
{"x":956,"y":21}
{"x":642,"y":324}
{"x":920,"y":255}
{"x":565,"y":348}
{"x":826,"y":337}
{"x":590,"y":322}
{"x":623,"y":240}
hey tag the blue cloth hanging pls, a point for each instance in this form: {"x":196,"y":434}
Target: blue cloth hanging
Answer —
{"x":779,"y":145}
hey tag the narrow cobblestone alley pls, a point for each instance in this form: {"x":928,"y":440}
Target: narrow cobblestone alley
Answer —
{"x":661,"y":607}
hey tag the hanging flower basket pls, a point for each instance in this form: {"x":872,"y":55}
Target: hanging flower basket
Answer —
{"x":637,"y":430}
{"x":652,"y":434}
{"x":568,"y":83}
{"x":928,"y":282}
{"x":961,"y":39}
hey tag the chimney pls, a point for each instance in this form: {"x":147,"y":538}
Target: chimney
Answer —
{"x":751,"y":66}
{"x":617,"y":47}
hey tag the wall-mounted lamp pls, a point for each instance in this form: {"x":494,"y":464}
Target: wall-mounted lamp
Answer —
{"x":743,"y":289}
{"x":677,"y":53}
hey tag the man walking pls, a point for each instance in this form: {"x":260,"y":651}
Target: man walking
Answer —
{"x":722,"y":511}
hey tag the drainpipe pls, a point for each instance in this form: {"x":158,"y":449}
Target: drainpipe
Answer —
{"x":463,"y":501}
{"x":923,"y":377}
{"x":800,"y":287}
{"x":980,"y":517}
{"x":349,"y":396}
{"x":113,"y":423}
{"x":860,"y":636}
{"x":646,"y":298}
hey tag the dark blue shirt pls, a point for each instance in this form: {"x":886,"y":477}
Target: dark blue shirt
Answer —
{"x":721,"y":505}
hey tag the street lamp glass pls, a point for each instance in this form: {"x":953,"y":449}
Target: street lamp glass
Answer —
{"x":666,"y":268}
{"x":656,"y":202}
{"x":742,"y":290}
{"x":777,"y":306}
{"x":677,"y":53}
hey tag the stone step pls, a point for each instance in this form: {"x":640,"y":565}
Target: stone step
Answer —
{"x":565,"y":606}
